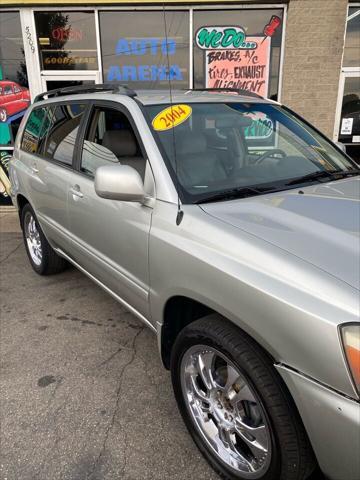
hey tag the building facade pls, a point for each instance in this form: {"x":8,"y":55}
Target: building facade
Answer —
{"x":304,"y":53}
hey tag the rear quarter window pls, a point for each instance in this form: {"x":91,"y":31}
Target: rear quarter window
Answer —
{"x":34,"y":131}
{"x":51,"y":131}
{"x":64,"y":122}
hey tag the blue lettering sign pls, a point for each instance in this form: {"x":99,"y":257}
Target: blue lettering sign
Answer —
{"x":171,"y":46}
{"x":143,"y":73}
{"x":143,"y":46}
{"x":122,"y":47}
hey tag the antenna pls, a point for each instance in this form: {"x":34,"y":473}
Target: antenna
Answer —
{"x":180,"y":213}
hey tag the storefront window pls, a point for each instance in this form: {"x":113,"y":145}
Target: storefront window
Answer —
{"x":352,"y":39}
{"x":67,"y":40}
{"x":14,"y":93}
{"x":238,"y":49}
{"x":349,"y":125}
{"x":134,"y":48}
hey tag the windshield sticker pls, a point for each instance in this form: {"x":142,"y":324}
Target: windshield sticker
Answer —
{"x":262,"y":126}
{"x":171,"y":117}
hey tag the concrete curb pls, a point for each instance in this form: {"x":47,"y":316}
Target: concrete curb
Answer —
{"x":7,"y":209}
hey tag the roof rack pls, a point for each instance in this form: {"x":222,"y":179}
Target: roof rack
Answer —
{"x":98,"y":87}
{"x":239,"y":91}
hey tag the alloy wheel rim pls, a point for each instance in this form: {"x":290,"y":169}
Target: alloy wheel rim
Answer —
{"x":33,"y":240}
{"x":226,"y":411}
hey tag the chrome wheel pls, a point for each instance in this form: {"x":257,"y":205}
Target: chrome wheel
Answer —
{"x":3,"y":115}
{"x":226,"y":411}
{"x":33,"y":240}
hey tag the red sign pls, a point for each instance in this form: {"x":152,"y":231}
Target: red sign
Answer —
{"x":240,"y":69}
{"x":65,"y":34}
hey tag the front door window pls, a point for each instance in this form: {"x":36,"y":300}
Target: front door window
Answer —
{"x":110,"y":139}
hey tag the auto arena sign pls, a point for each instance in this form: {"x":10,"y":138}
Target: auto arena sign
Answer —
{"x":144,"y":47}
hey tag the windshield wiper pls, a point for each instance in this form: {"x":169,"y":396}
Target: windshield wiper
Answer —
{"x":324,"y":174}
{"x":240,"y":192}
{"x":351,"y":173}
{"x":243,"y":192}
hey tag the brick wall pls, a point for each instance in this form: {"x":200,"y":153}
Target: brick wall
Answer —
{"x":312,"y":63}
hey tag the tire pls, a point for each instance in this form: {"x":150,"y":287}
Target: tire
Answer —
{"x":43,"y":259}
{"x":265,"y":432}
{"x":3,"y":115}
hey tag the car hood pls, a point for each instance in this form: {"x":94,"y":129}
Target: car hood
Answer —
{"x":320,"y":225}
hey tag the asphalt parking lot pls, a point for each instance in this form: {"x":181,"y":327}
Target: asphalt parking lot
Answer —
{"x":83,"y":395}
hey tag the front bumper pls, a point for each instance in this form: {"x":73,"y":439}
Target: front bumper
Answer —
{"x":332,"y":422}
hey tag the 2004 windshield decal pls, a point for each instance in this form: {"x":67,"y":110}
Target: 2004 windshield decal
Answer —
{"x":171,"y":117}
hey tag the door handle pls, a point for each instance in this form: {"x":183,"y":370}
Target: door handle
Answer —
{"x":34,"y":169}
{"x":75,"y":190}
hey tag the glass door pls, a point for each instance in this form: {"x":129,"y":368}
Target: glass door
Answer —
{"x":52,"y":82}
{"x":67,"y":48}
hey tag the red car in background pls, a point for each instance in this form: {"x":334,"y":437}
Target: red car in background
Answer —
{"x":13,"y":99}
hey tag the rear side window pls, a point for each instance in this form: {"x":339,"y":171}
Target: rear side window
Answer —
{"x":61,"y":132}
{"x":35,"y":130}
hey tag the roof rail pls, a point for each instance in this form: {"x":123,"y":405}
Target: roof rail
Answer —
{"x":239,"y":91}
{"x":97,"y":87}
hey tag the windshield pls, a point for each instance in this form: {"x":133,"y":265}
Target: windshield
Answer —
{"x":215,"y":149}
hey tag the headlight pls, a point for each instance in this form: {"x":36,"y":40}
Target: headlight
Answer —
{"x":351,"y":341}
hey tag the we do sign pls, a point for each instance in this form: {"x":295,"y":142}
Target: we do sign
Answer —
{"x":223,"y":38}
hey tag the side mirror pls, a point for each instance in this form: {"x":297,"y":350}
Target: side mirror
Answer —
{"x":341,"y":146}
{"x":119,"y":182}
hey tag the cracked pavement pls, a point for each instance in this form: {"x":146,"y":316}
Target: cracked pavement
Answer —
{"x":83,"y":395}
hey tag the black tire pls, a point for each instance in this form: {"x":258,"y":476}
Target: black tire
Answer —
{"x":292,"y":457}
{"x":50,"y":262}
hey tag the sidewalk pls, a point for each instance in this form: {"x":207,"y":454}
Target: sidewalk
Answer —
{"x":83,"y":393}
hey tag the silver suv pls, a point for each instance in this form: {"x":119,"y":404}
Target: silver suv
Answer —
{"x":230,"y":226}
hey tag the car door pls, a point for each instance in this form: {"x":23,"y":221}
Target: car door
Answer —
{"x":110,"y":238}
{"x":21,"y":101}
{"x":47,"y":151}
{"x":10,"y":100}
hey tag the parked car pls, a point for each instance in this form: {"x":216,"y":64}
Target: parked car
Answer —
{"x":13,"y":99}
{"x":237,"y":245}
